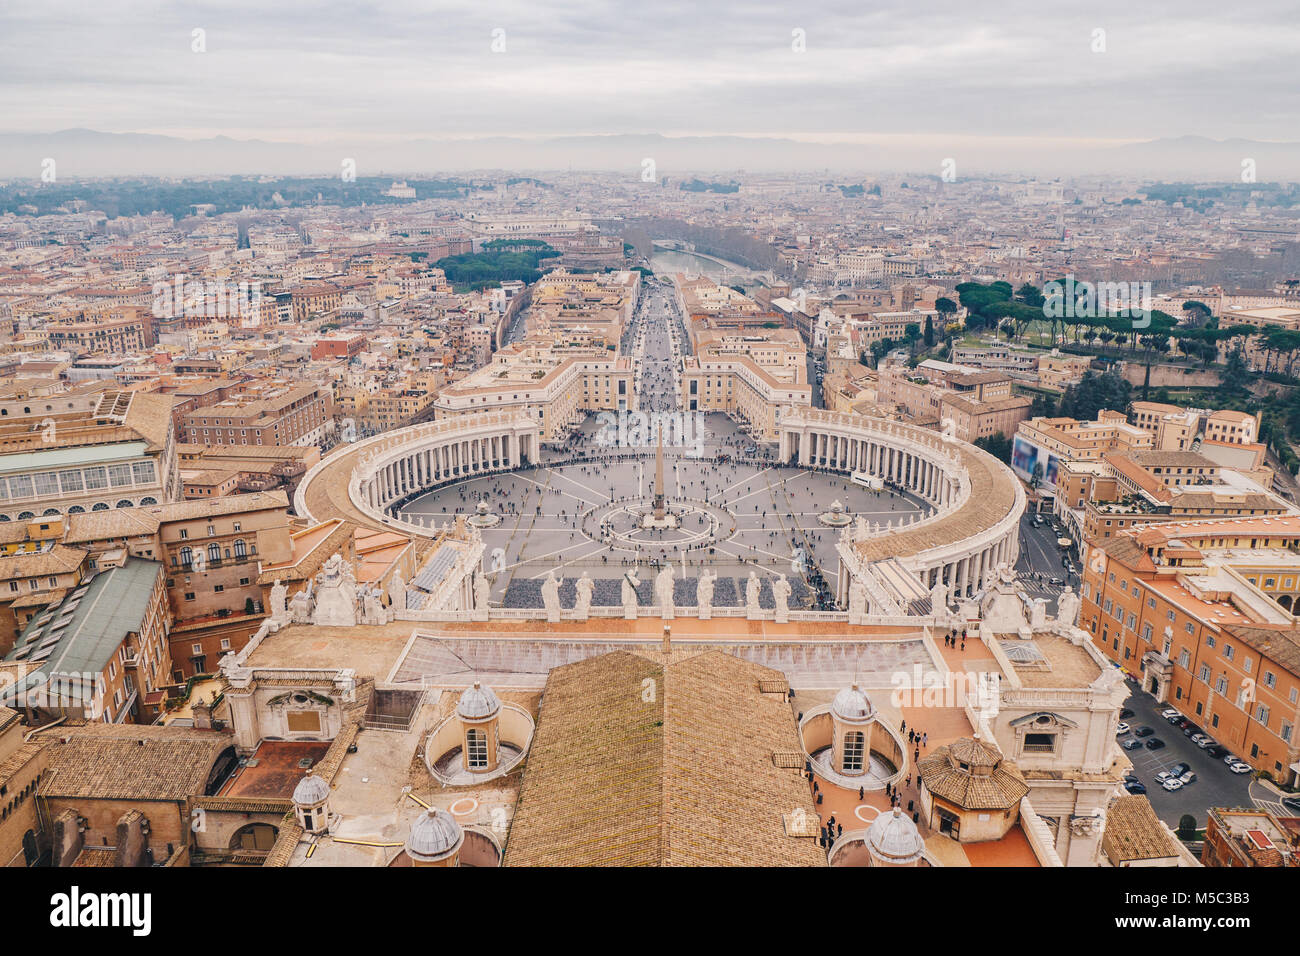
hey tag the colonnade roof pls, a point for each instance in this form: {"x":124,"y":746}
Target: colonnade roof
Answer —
{"x":992,"y":497}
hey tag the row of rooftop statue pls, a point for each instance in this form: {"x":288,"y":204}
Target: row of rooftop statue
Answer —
{"x":663,"y":594}
{"x":333,"y":598}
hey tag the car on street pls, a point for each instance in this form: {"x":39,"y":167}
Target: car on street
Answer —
{"x":1179,"y":769}
{"x":1240,"y":768}
{"x":1155,"y":743}
{"x":1216,"y":751}
{"x":1135,"y":786}
{"x":1122,"y":728}
{"x":1172,"y":783}
{"x":1197,"y":738}
{"x":1143,"y":732}
{"x":1205,"y":743}
{"x":1170,"y":714}
{"x":1164,"y":775}
{"x":1189,"y":777}
{"x":1125,"y":714}
{"x":1132,"y":744}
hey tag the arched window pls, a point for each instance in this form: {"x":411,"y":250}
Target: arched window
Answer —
{"x":477,"y":754}
{"x":854,"y":744}
{"x":125,"y":503}
{"x":26,"y":516}
{"x":76,"y":510}
{"x":214,"y":554}
{"x":99,"y":506}
{"x":148,"y":501}
{"x":187,"y":556}
{"x":241,"y":549}
{"x":49,"y":512}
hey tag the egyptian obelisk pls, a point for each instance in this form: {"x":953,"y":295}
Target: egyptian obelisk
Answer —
{"x":659,"y":477}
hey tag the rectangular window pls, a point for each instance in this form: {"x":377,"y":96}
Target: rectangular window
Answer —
{"x":119,"y":475}
{"x":46,"y":484}
{"x":96,"y":478}
{"x":71,"y":481}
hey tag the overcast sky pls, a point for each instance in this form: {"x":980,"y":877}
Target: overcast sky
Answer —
{"x":374,"y":70}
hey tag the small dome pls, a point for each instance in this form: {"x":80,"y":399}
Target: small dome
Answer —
{"x":435,"y":835}
{"x":477,"y":703}
{"x":893,"y":838}
{"x":311,"y":790}
{"x":852,"y":704}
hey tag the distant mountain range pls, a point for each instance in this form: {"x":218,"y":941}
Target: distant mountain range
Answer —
{"x":82,"y":153}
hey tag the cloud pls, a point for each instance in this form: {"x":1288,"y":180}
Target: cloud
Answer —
{"x":381,"y":69}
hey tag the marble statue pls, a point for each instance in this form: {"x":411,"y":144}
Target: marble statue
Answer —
{"x":939,"y":598}
{"x":373,"y":605}
{"x":664,"y":591}
{"x":630,"y":583}
{"x":582,"y":603}
{"x":781,"y":594}
{"x":335,"y":594}
{"x":861,"y":532}
{"x":300,"y":607}
{"x":1067,"y":607}
{"x":481,"y":591}
{"x":704,"y":594}
{"x":397,"y":591}
{"x":551,"y":597}
{"x":751,"y":595}
{"x":857,"y":601}
{"x":279,"y":607}
{"x":1038,"y":614}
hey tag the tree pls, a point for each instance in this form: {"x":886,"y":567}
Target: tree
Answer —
{"x":998,"y":445}
{"x":1030,"y":295}
{"x":1236,"y":376}
{"x":929,"y":331}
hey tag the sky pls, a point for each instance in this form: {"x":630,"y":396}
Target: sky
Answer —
{"x":373,"y":71}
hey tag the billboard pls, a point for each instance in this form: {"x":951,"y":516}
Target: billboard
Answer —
{"x":1027,"y":459}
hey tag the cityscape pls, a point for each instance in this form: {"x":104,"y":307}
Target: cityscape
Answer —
{"x":523,"y":485}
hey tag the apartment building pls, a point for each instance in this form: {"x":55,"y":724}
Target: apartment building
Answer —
{"x":548,"y":380}
{"x":269,"y":414}
{"x":1200,"y":613}
{"x":99,"y":651}
{"x":212,"y":551}
{"x":57,"y":460}
{"x":978,"y":404}
{"x":754,"y":378}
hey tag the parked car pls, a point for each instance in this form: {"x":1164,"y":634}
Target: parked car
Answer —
{"x":1143,"y":732}
{"x":1205,"y":743}
{"x":1132,"y":744}
{"x":1125,"y":714}
{"x":1135,"y":786}
{"x":1191,"y":730}
{"x":1172,"y":784}
{"x":1170,"y":713}
{"x":1230,"y":759}
{"x":1122,"y":728}
{"x":1197,"y":738}
{"x":1292,"y":804}
{"x":1240,"y":768}
{"x":1164,"y":775}
{"x":1179,"y":769}
{"x":1216,"y":751}
{"x":1189,"y":777}
{"x":1155,"y":743}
